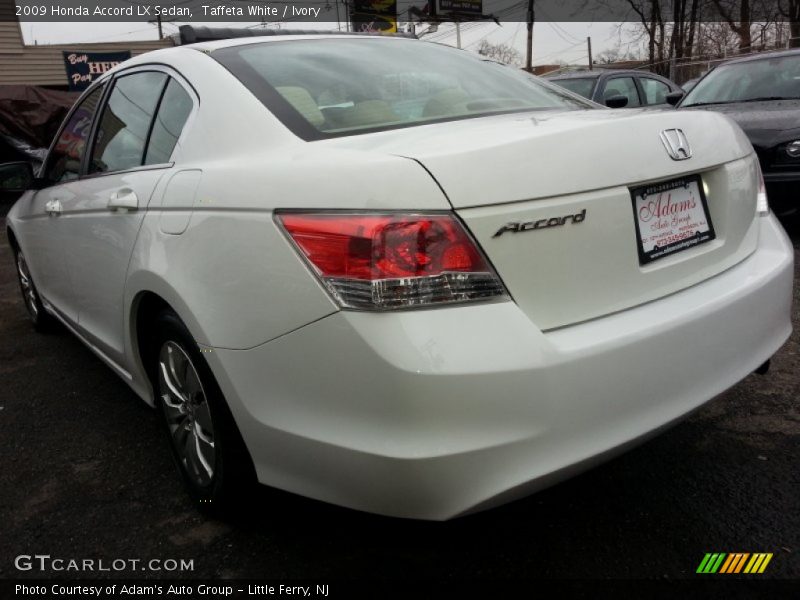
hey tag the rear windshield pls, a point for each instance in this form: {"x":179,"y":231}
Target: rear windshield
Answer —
{"x":582,"y":86}
{"x":330,"y":87}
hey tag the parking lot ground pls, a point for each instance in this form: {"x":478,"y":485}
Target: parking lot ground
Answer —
{"x":86,"y":474}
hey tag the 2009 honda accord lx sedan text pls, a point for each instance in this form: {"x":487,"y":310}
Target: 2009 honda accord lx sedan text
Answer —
{"x":392,"y":276}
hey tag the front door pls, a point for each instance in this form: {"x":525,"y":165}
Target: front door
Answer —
{"x":43,"y":218}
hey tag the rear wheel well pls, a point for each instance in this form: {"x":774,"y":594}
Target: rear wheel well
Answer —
{"x":149,"y":326}
{"x":148,"y":306}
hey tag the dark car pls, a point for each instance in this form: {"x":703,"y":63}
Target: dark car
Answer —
{"x":762,"y":94}
{"x":640,"y":88}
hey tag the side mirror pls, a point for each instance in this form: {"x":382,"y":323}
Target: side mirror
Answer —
{"x":16,"y":176}
{"x":674,"y":97}
{"x":617,"y":101}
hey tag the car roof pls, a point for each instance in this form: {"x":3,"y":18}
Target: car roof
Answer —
{"x":210,"y":39}
{"x":762,"y":56}
{"x":600,"y":73}
{"x":575,"y":75}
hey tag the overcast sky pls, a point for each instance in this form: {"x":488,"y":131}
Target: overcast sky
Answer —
{"x":553,"y":42}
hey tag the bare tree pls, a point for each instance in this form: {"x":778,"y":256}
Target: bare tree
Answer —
{"x":501,"y":53}
{"x":715,"y":40}
{"x":678,"y":32}
{"x":791,"y":10}
{"x":652,"y":21}
{"x":739,"y":23}
{"x":685,"y":14}
{"x":614,"y":55}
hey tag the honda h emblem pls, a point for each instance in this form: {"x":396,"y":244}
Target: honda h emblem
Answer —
{"x":676,"y":144}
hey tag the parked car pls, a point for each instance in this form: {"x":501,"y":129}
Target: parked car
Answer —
{"x":611,"y":86}
{"x":762,"y":94}
{"x":383,"y":273}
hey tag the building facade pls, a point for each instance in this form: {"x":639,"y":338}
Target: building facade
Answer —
{"x":43,"y":65}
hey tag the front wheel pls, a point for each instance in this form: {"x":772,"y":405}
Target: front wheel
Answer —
{"x":212,"y":459}
{"x":41,"y":319}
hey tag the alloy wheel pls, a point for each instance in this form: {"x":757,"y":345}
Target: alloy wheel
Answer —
{"x":26,"y":283}
{"x":187,"y":412}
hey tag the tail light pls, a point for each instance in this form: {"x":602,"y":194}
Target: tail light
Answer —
{"x":762,"y":205}
{"x":392,"y":261}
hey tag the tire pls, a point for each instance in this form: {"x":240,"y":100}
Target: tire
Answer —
{"x":43,"y":321}
{"x":206,"y":445}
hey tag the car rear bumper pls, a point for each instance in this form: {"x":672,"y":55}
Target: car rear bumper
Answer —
{"x":436,"y":413}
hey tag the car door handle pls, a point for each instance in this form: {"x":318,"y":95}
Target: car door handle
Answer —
{"x":123,"y":199}
{"x":53,"y":207}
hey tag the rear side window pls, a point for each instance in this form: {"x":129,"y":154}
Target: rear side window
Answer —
{"x":655,"y":92}
{"x":171,"y":117}
{"x":125,"y":125}
{"x":64,"y":162}
{"x":622,"y":86}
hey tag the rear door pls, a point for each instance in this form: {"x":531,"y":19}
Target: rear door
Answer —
{"x":133,"y":140}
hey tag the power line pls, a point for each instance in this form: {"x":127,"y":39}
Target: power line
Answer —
{"x":558,"y":33}
{"x":483,"y":37}
{"x":516,"y":31}
{"x":557,"y":52}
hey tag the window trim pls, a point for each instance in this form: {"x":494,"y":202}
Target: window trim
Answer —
{"x":146,"y":68}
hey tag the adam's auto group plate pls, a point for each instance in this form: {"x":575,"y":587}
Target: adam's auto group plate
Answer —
{"x":670,"y":217}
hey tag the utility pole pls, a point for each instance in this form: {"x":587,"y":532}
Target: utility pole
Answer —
{"x":458,"y":35}
{"x":160,"y":32}
{"x":529,"y":57}
{"x":589,"y":45}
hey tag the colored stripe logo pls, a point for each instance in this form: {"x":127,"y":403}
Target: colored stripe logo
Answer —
{"x":734,"y":562}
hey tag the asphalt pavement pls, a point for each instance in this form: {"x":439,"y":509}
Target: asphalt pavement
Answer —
{"x":86,"y":475}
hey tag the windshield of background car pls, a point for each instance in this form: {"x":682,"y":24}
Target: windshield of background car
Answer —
{"x":329,"y":87}
{"x":583,"y":86}
{"x":777,"y":77}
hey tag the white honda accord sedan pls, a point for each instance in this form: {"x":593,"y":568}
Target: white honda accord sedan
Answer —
{"x":389,"y":275}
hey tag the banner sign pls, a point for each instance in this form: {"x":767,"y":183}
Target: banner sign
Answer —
{"x":85,"y":67}
{"x":374,"y":15}
{"x":461,"y":7}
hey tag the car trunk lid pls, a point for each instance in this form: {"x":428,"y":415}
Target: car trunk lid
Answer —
{"x":573,"y":173}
